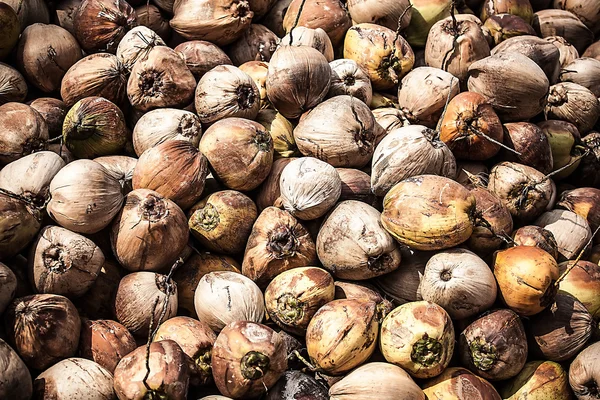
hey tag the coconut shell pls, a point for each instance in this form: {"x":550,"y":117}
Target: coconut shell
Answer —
{"x":494,"y":346}
{"x":100,"y":25}
{"x":44,"y":329}
{"x":13,"y":87}
{"x":277,"y":243}
{"x":419,"y":337}
{"x":100,"y":75}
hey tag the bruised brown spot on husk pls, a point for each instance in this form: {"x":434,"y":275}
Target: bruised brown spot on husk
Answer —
{"x":254,"y":365}
{"x":282,"y":242}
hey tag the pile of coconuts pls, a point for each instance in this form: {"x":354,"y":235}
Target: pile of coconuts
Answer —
{"x":300,"y":199}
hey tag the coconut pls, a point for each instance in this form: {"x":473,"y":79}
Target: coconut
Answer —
{"x":454,"y":382}
{"x":217,"y":21}
{"x":585,"y":202}
{"x":273,"y":19}
{"x":543,"y":53}
{"x":239,"y":151}
{"x":295,"y":384}
{"x":11,"y":28}
{"x":330,"y":15}
{"x":100,"y":25}
{"x":258,"y":71}
{"x":389,"y":118}
{"x":86,"y":378}
{"x":538,"y":379}
{"x":592,"y":51}
{"x":298,"y":79}
{"x":154,"y":371}
{"x":424,"y":105}
{"x":141,"y":299}
{"x":53,"y":111}
{"x":16,"y":379}
{"x":385,"y":56}
{"x":136,"y":44}
{"x":20,"y":223}
{"x":356,"y":185}
{"x":522,"y":8}
{"x":526,"y":278}
{"x":495,"y":223}
{"x":62,"y":262}
{"x":525,"y":191}
{"x":471,"y":128}
{"x":403,"y":284}
{"x":315,"y":38}
{"x":584,"y":373}
{"x":453,"y":44}
{"x":44,"y":329}
{"x":328,"y":349}
{"x":100,"y":75}
{"x":494,"y":346}
{"x":348,"y":78}
{"x":363,"y":291}
{"x":30,"y":12}
{"x":562,"y":136}
{"x":352,"y":244}
{"x":419,"y":337}
{"x":146,"y":221}
{"x":9,"y":286}
{"x":248,"y":359}
{"x":309,"y":187}
{"x":277,"y":243}
{"x":85,"y":197}
{"x":460,"y":282}
{"x":281,"y":131}
{"x":269,"y":193}
{"x":573,"y":103}
{"x":384,"y":380}
{"x":224,"y":297}
{"x":200,"y":56}
{"x":340,"y":131}
{"x":531,"y":143}
{"x":563,"y":23}
{"x":105,"y":342}
{"x":568,"y":53}
{"x":425,"y":13}
{"x":196,"y":339}
{"x":152,"y":17}
{"x":121,"y":167}
{"x":257,"y":43}
{"x":226,"y":91}
{"x":25,"y":132}
{"x":65,"y":11}
{"x":222,"y":222}
{"x":523,"y":85}
{"x":500,"y":27}
{"x":583,"y":71}
{"x":571,"y":231}
{"x":13,"y":87}
{"x":441,"y":199}
{"x":536,"y":236}
{"x":583,"y":283}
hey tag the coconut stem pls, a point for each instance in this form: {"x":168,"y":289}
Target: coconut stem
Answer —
{"x":399,"y":28}
{"x":304,"y":361}
{"x":289,"y":308}
{"x":570,"y":268}
{"x":575,"y":160}
{"x":254,"y":365}
{"x":483,"y":354}
{"x":480,"y":133}
{"x":427,"y":351}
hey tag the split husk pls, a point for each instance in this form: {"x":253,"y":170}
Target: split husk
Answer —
{"x":419,"y":337}
{"x":277,"y":243}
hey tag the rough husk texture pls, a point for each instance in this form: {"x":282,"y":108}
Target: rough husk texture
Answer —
{"x":574,"y":103}
{"x":552,"y":22}
{"x":571,"y":231}
{"x":538,"y":380}
{"x":348,"y":78}
{"x":136,"y":44}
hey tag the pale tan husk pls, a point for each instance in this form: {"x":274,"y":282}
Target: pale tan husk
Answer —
{"x":157,"y":126}
{"x":136,"y":44}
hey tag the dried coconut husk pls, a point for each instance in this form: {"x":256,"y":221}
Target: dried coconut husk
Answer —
{"x":356,"y":185}
{"x":201,"y":56}
{"x":573,"y":103}
{"x":160,"y":80}
{"x":175,"y":169}
{"x":496,"y":223}
{"x":222,"y":222}
{"x":587,"y":11}
{"x":16,"y":379}
{"x":53,"y":111}
{"x":563,"y":23}
{"x":218,"y":21}
{"x":226,"y":91}
{"x":277,"y":243}
{"x":425,"y":13}
{"x":99,"y":301}
{"x":593,"y":51}
{"x":152,"y":17}
{"x":193,"y":269}
{"x":380,"y":100}
{"x":158,"y":126}
{"x":261,"y":7}
{"x":273,"y":19}
{"x":269,"y":192}
{"x":24,"y":132}
{"x":403,"y":284}
{"x":45,"y":53}
{"x":500,"y":27}
{"x":30,"y":12}
{"x":583,"y":283}
{"x":298,"y":79}
{"x":514,"y":84}
{"x":406,"y":152}
{"x":471,"y":128}
{"x":99,"y":25}
{"x":531,"y":143}
{"x":423,"y":94}
{"x":95,"y":127}
{"x":105,"y":342}
{"x":585,"y":202}
{"x":19,"y":224}
{"x":136,"y":44}
{"x":570,"y":230}
{"x":531,"y":235}
{"x":85,"y":197}
{"x":453,"y":44}
{"x":121,"y":167}
{"x":543,"y":379}
{"x":257,"y":43}
{"x":315,"y":38}
{"x":65,"y":10}
{"x":234,"y":162}
{"x":543,"y":53}
{"x":330,"y":15}
{"x":146,"y":222}
{"x":352,"y":244}
{"x":385,"y":56}
{"x":165,"y":5}
{"x":386,"y":13}
{"x":142,"y":295}
{"x":340,"y":131}
{"x":583,"y":71}
{"x":9,"y":286}
{"x":363,"y":291}
{"x":389,"y":118}
{"x":11,"y":28}
{"x":100,"y":75}
{"x":349,"y":79}
{"x":63,"y":262}
{"x":522,"y":8}
{"x":567,"y":51}
{"x":584,"y":374}
{"x":13,"y":87}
